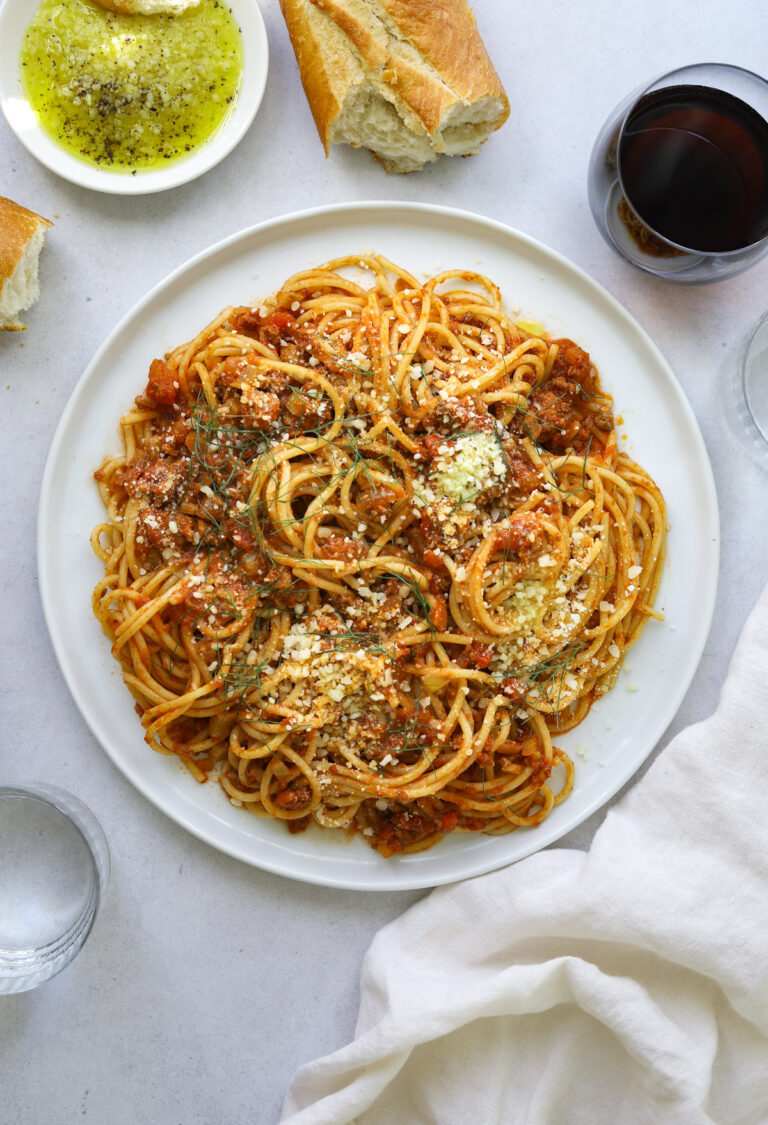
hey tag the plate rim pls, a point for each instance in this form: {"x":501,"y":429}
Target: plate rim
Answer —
{"x":62,"y":163}
{"x":400,"y":878}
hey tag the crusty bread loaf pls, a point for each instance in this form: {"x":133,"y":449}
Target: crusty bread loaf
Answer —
{"x":148,"y":7}
{"x":407,"y":79}
{"x":22,"y":234}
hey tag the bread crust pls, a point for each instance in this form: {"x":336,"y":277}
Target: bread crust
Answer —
{"x":425,"y":56}
{"x":446,"y":34}
{"x":324,"y":83}
{"x":17,"y":226}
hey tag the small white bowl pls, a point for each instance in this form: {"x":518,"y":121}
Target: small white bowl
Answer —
{"x":15,"y":17}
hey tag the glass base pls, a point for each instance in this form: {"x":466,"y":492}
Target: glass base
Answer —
{"x":635,"y":243}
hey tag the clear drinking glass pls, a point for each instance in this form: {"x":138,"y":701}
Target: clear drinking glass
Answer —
{"x":54,"y":869}
{"x":678,"y":177}
{"x":750,"y":387}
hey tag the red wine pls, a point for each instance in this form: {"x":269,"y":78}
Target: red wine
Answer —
{"x":694,"y":164}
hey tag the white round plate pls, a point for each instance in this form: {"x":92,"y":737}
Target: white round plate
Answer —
{"x":15,"y":17}
{"x":621,"y":729}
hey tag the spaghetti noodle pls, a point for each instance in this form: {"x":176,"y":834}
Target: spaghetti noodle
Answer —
{"x":370,"y":546}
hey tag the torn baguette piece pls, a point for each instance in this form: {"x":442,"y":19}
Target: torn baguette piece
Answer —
{"x":148,"y":7}
{"x":407,"y":79}
{"x":22,"y":234}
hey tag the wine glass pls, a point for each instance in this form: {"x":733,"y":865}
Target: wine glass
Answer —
{"x":678,"y":177}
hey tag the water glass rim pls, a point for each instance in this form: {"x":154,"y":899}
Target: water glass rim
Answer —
{"x":639,"y":93}
{"x":758,"y":337}
{"x":78,"y":814}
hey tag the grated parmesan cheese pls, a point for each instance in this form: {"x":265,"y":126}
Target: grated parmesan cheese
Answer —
{"x":467,"y":465}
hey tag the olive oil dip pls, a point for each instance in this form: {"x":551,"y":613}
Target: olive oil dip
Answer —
{"x":131,"y":93}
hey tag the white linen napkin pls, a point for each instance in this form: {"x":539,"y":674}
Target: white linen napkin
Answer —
{"x":626,"y":985}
